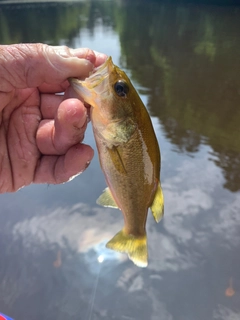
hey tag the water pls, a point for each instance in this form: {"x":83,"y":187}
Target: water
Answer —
{"x":184,"y":61}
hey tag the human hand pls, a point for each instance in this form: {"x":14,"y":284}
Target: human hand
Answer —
{"x":40,"y":132}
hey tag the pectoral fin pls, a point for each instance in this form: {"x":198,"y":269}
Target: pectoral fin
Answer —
{"x":117,"y":160}
{"x":106,"y":199}
{"x":157,"y":206}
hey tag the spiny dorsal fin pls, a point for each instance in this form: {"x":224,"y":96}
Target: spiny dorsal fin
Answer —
{"x":157,"y":206}
{"x":106,"y":199}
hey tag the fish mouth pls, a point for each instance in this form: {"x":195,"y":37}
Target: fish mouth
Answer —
{"x":95,"y":84}
{"x":99,"y":74}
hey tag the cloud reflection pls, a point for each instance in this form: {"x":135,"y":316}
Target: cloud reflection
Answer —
{"x":188,"y":194}
{"x":81,"y":227}
{"x":224,"y":313}
{"x":181,"y":247}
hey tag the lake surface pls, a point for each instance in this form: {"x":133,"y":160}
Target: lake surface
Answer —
{"x":184,"y":61}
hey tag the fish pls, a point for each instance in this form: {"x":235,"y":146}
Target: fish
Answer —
{"x":128,"y":152}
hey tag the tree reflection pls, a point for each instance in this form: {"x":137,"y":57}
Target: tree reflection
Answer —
{"x":49,"y":23}
{"x":230,"y":163}
{"x":186,"y":56}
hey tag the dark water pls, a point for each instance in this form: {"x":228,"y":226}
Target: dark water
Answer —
{"x":184,"y":61}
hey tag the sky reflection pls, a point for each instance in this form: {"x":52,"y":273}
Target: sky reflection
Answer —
{"x":54,"y":264}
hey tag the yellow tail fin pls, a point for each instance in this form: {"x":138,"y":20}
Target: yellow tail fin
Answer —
{"x":135,"y":247}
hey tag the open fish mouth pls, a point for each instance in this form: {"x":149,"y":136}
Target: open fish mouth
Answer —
{"x":96,"y":83}
{"x":99,"y":73}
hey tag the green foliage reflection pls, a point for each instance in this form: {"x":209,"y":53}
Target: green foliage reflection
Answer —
{"x":49,"y":23}
{"x":188,"y":57}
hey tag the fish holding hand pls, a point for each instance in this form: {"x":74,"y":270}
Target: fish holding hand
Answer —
{"x":129,"y":155}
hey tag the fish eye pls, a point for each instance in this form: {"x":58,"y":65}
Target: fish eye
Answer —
{"x":121,"y":88}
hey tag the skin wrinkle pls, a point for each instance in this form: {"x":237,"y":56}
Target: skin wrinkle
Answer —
{"x":53,"y":140}
{"x":2,"y":53}
{"x":17,"y":65}
{"x":15,"y":97}
{"x":27,"y":111}
{"x":4,"y":182}
{"x":41,"y":169}
{"x":59,"y":89}
{"x":27,"y":67}
{"x":38,"y":163}
{"x":32,"y":65}
{"x":6,"y":156}
{"x":10,"y":107}
{"x":5,"y":98}
{"x":41,"y":54}
{"x":23,"y":138}
{"x":55,"y":170}
{"x":88,"y":54}
{"x":6,"y":121}
{"x":6,"y":79}
{"x":16,"y":57}
{"x":27,"y":73}
{"x":80,"y":130}
{"x":20,"y":157}
{"x":29,"y":136}
{"x":46,"y":55}
{"x":83,"y":128}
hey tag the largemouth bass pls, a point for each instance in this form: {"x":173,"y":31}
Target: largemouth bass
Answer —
{"x":129,"y":155}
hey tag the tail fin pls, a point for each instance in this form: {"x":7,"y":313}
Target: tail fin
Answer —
{"x":135,"y":247}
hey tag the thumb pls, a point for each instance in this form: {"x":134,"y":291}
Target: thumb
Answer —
{"x":30,"y":65}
